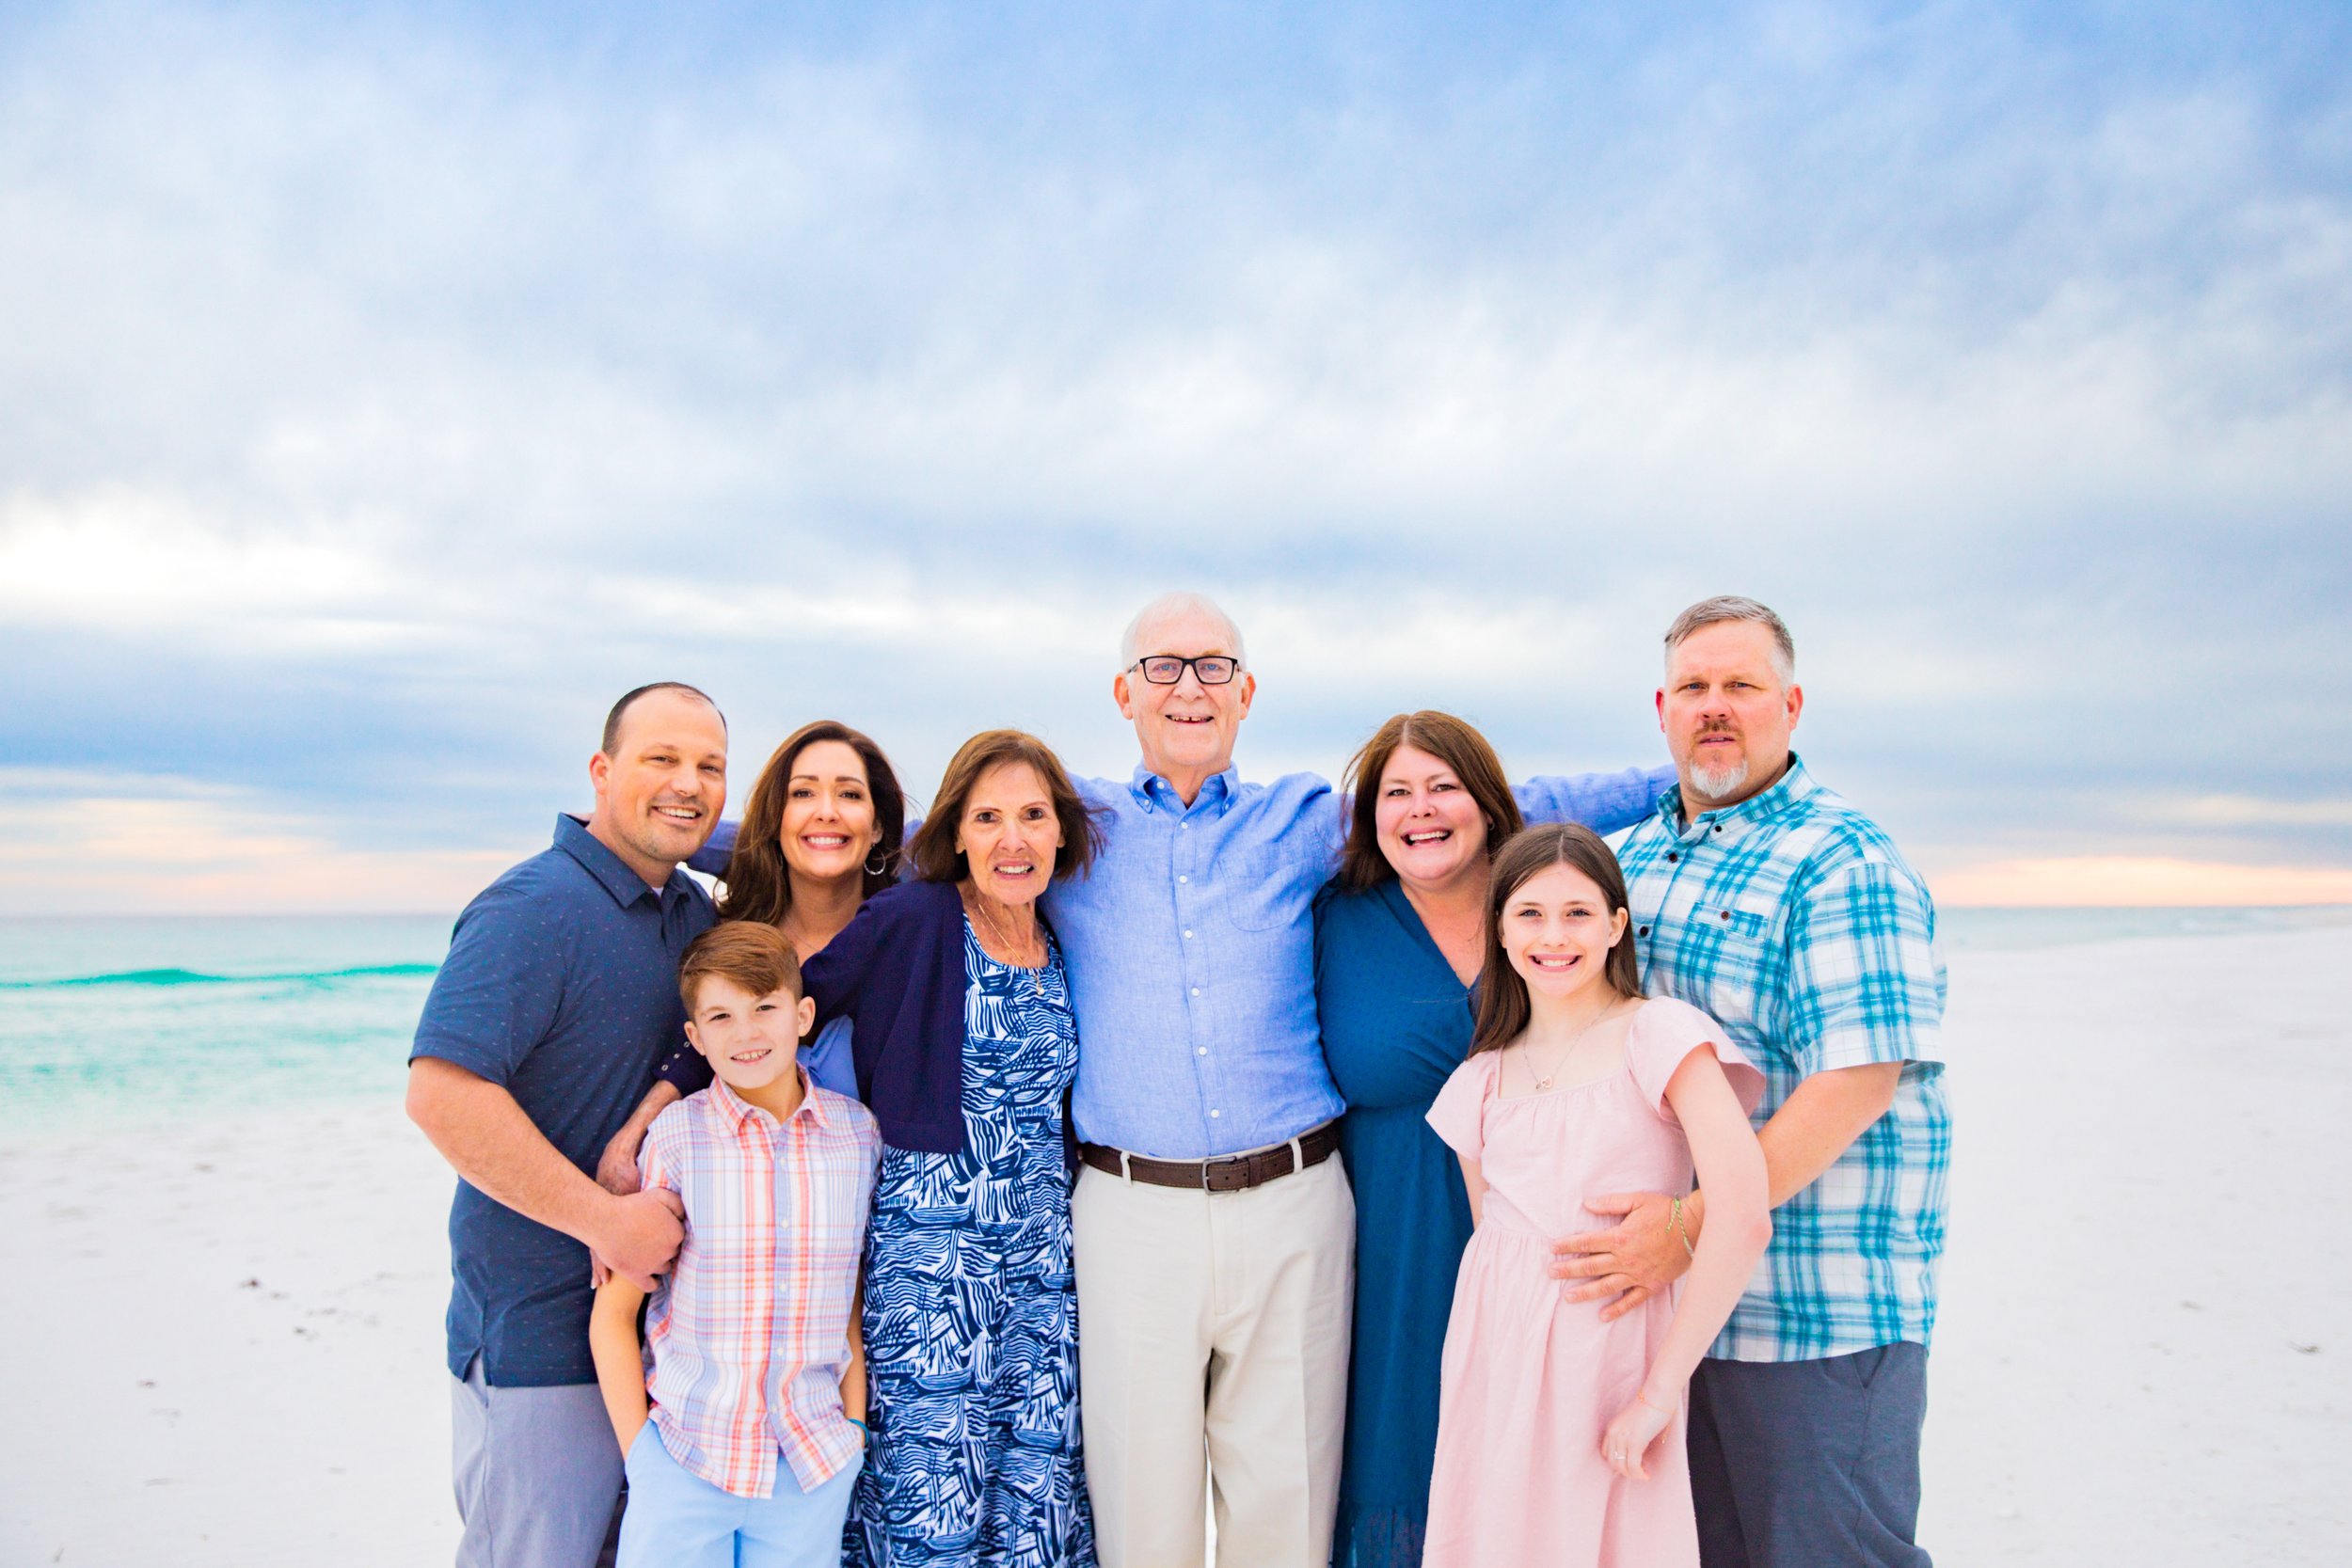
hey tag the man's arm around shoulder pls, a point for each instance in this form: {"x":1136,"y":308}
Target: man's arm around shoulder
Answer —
{"x":1867,"y":1002}
{"x":490,"y":1008}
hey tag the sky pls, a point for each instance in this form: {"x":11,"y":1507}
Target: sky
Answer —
{"x":383,"y":389}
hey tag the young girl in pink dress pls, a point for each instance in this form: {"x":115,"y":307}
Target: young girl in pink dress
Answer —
{"x":1560,"y":1437}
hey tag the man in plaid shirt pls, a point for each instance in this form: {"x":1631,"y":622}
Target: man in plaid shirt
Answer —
{"x":1775,"y":906}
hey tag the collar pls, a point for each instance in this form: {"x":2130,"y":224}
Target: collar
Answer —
{"x":740,"y":1111}
{"x":1155,"y":794}
{"x":1787,"y":791}
{"x":573,"y":837}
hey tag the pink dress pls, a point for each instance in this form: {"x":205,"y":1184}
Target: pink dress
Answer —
{"x":1531,"y":1381}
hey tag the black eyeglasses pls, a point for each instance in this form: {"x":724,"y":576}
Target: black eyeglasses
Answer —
{"x":1167,"y":669}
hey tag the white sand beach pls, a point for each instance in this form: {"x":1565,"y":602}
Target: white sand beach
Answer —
{"x":227,"y":1335}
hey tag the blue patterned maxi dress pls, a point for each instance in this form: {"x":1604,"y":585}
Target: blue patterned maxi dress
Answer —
{"x":971,"y":1309}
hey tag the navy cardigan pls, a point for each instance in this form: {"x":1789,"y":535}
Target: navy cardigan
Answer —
{"x":897,"y":970}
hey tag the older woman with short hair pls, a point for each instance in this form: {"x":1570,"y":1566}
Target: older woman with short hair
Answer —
{"x":1400,"y":935}
{"x":965,"y":1046}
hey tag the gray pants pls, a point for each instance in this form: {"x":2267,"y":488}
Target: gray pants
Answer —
{"x":1797,"y":1464}
{"x":538,"y":1475}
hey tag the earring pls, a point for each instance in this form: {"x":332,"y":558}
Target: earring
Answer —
{"x":873,"y":869}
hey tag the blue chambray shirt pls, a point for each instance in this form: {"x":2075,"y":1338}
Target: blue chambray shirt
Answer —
{"x":1191,"y":953}
{"x":1793,"y":919}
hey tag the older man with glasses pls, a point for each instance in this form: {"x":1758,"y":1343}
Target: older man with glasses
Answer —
{"x":1214,"y":1231}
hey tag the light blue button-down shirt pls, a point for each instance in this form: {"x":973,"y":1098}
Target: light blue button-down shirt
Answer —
{"x":1191,"y":953}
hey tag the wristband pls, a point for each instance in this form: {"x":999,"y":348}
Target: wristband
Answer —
{"x":1646,"y":1399}
{"x":1674,"y":1221}
{"x":861,"y":1426}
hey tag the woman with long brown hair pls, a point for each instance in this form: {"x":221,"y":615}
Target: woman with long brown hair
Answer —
{"x":823,"y":832}
{"x":1400,"y":937}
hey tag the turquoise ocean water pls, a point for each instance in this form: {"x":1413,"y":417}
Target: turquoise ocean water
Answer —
{"x":154,"y":1019}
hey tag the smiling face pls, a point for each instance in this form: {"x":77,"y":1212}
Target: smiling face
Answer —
{"x":1185,"y":730}
{"x":661,"y":787}
{"x":1007,"y":834}
{"x":751,"y":1041}
{"x":1728,"y":713}
{"x":829,"y":828}
{"x":1428,"y":824}
{"x":1556,"y":929}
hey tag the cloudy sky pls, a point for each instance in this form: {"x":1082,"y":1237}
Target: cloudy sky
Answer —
{"x":383,"y":389}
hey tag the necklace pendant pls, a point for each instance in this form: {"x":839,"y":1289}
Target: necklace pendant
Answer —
{"x":1543,"y":1083}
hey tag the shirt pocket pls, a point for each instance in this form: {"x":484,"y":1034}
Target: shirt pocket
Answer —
{"x":1265,"y":890}
{"x":1738,"y":947}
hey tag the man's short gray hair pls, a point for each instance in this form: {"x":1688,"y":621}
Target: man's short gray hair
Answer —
{"x":1731,"y":607}
{"x":1168,"y":606}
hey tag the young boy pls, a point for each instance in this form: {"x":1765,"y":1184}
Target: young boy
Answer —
{"x":758,"y":1393}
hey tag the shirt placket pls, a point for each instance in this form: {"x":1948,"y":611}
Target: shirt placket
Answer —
{"x":1677,"y":903}
{"x":1190,"y":852}
{"x":759,"y":1287}
{"x":794,"y":1304}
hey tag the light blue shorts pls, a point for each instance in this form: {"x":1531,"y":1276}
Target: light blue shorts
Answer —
{"x":676,"y":1519}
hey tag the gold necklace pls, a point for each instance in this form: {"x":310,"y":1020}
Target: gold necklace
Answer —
{"x":1035,"y":970}
{"x":1527,"y":1055}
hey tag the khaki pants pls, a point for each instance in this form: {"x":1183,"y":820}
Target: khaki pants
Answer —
{"x":1212,"y":1337}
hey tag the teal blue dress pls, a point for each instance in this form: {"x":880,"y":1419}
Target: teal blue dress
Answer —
{"x":1396,"y":1022}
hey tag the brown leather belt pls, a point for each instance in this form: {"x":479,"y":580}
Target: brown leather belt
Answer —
{"x":1231,"y":1173}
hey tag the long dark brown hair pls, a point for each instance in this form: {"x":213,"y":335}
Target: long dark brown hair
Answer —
{"x":758,"y":883}
{"x":1452,"y":742}
{"x":1503,"y":1010}
{"x":934,"y":852}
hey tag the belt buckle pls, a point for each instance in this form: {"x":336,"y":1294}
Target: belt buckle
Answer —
{"x":1239,"y":1182}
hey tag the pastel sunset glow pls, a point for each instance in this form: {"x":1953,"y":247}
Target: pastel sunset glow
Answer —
{"x":2113,"y":880}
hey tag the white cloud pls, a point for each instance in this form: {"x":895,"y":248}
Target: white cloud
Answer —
{"x":430,"y":383}
{"x":131,"y":559}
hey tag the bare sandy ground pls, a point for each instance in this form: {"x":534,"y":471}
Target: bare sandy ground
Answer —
{"x":225,"y":1337}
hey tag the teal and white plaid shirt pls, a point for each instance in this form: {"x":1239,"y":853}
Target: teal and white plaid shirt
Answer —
{"x":1793,"y":919}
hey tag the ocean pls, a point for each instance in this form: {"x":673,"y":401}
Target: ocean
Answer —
{"x":113,"y":1020}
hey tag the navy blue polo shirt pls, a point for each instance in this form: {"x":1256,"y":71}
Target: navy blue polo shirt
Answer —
{"x":560,"y":987}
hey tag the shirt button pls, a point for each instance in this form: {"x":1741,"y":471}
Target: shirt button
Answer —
{"x":1642,"y":932}
{"x":1188,"y":827}
{"x":1196,"y":990}
{"x":1671,"y":858}
{"x":1200,"y":1050}
{"x":1183,"y":878}
{"x":1188,"y":935}
{"x":1217,"y":1112}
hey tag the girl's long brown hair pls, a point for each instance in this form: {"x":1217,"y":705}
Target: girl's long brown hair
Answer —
{"x":1504,"y":1009}
{"x":758,"y":883}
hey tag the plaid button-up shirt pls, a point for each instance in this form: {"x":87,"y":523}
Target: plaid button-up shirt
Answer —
{"x":749,"y":1336}
{"x":1793,"y":919}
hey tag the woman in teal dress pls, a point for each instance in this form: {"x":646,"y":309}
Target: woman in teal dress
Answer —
{"x":1399,"y":936}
